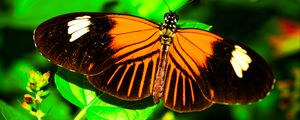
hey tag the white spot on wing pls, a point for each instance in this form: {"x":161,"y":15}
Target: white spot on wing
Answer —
{"x":78,"y":27}
{"x":240,"y":61}
{"x":236,"y":67}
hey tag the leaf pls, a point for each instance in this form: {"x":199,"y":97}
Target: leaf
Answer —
{"x":194,"y":24}
{"x":112,"y":112}
{"x":76,"y":89}
{"x":55,"y":108}
{"x":127,"y":110}
{"x":9,"y":113}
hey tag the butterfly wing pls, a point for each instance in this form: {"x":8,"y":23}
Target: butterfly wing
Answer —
{"x":131,"y":78}
{"x":89,"y":43}
{"x":182,"y":92}
{"x":117,"y":52}
{"x":235,"y":74}
{"x":206,"y":66}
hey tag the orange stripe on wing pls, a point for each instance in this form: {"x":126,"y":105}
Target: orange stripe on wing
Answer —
{"x":144,"y":72}
{"x":133,"y":77}
{"x":168,"y":82}
{"x":192,"y":91}
{"x":122,"y":78}
{"x":183,"y":89}
{"x":153,"y":71}
{"x":176,"y":88}
{"x":113,"y":75}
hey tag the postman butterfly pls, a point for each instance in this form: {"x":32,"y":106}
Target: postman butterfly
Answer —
{"x":132,"y":58}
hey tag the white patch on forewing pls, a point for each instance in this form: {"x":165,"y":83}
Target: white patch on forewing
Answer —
{"x":78,"y":27}
{"x":240,"y":61}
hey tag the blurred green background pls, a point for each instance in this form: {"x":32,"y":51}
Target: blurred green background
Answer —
{"x":270,"y":27}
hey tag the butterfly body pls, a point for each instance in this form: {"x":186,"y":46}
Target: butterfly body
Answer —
{"x":167,"y":32}
{"x":132,"y":58}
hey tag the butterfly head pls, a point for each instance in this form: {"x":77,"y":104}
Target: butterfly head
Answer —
{"x":168,"y":28}
{"x":171,"y":17}
{"x":170,"y":21}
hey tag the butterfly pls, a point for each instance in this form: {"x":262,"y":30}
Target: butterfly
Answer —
{"x":132,"y":58}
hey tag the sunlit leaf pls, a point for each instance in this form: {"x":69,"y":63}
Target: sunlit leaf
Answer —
{"x":75,"y":88}
{"x":168,"y":116}
{"x":55,"y":108}
{"x":112,"y":112}
{"x":194,"y":24}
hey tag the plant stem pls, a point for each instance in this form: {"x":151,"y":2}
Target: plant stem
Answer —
{"x":81,"y":114}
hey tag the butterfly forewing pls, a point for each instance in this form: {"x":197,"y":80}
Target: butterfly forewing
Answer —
{"x":86,"y":42}
{"x":227,"y":71}
{"x":235,"y":74}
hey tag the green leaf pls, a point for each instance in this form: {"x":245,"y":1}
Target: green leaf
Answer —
{"x":9,"y":113}
{"x":112,"y":112}
{"x":194,"y":24}
{"x":76,"y":89}
{"x":55,"y":108}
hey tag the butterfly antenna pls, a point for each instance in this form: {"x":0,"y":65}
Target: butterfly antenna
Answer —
{"x":185,"y":5}
{"x":167,"y":5}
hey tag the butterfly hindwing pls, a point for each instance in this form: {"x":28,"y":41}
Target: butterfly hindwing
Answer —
{"x":181,"y":93}
{"x":130,"y":81}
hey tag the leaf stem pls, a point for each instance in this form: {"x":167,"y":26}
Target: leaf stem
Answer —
{"x":81,"y":114}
